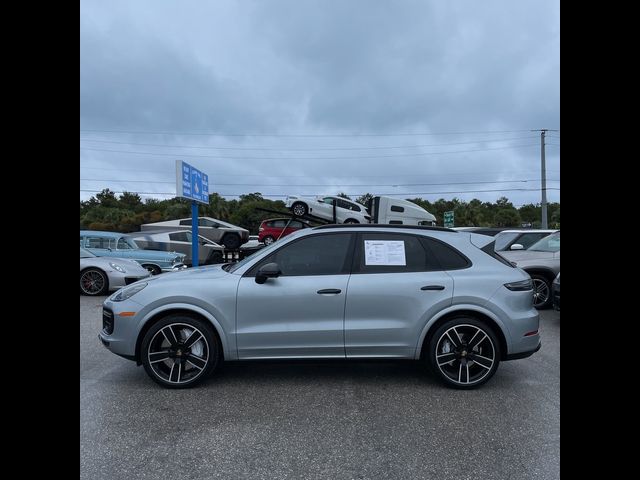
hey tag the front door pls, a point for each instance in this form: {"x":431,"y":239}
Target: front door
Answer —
{"x":301,"y":312}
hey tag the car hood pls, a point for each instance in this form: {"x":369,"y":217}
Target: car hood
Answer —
{"x":194,"y":273}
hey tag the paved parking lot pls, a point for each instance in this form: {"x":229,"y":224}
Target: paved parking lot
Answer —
{"x":338,"y":420}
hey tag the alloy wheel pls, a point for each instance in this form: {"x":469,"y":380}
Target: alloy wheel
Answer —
{"x":178,"y":353}
{"x":465,"y":354}
{"x":540,"y":292}
{"x":92,"y":282}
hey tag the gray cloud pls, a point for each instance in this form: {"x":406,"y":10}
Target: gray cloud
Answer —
{"x":320,"y":67}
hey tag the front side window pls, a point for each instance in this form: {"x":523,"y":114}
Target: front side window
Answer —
{"x":205,"y":222}
{"x":326,"y":254}
{"x":504,"y":239}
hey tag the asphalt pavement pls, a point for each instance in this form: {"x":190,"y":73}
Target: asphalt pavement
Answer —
{"x":333,"y":420}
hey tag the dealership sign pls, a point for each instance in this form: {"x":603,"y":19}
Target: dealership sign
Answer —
{"x":191,"y":183}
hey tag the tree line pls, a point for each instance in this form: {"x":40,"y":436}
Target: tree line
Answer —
{"x":125,"y":213}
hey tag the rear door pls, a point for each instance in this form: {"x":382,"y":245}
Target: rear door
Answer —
{"x":396,"y":285}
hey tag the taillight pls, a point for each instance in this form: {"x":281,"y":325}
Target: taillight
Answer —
{"x":521,"y":286}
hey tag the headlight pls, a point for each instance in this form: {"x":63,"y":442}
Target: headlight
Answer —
{"x":125,"y":293}
{"x":521,"y":286}
{"x":117,"y":267}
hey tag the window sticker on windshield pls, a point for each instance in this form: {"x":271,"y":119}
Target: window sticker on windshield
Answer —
{"x":384,"y":252}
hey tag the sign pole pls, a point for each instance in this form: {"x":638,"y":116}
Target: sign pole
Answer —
{"x":194,"y":233}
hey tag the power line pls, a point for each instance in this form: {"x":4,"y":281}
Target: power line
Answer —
{"x":174,"y":155}
{"x":413,"y":175}
{"x":319,"y":184}
{"x":350,"y":194}
{"x":220,"y":134}
{"x":305,"y":149}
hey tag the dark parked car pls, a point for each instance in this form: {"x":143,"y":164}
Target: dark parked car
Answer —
{"x":275,"y":228}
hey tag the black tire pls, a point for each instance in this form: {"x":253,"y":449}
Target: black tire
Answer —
{"x":93,"y":282}
{"x":542,"y":297}
{"x":154,"y":269}
{"x":161,"y":352}
{"x":231,"y":241}
{"x":470,"y":365}
{"x":299,"y":209}
{"x":268,"y":240}
{"x":351,"y":220}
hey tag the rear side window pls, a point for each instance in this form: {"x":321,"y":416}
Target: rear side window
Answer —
{"x":447,"y":257}
{"x":185,"y":222}
{"x":392,"y":253}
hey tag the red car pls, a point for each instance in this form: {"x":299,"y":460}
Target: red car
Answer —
{"x":274,"y":228}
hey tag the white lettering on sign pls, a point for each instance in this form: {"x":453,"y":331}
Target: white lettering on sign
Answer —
{"x":384,"y":252}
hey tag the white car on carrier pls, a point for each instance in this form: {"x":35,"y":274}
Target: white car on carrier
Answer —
{"x":346,"y":210}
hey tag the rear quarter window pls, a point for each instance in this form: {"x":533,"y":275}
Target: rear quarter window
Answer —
{"x":448,"y":257}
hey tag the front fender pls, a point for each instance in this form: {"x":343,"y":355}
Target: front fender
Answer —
{"x":452,"y":309}
{"x":228,"y":349}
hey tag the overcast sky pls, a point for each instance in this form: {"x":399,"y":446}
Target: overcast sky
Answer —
{"x":413,"y":98}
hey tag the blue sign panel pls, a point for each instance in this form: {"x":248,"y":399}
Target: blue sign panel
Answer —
{"x":191,"y":183}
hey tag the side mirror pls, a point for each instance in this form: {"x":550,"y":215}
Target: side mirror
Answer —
{"x":270,"y":270}
{"x":516,"y":246}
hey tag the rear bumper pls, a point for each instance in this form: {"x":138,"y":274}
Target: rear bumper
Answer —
{"x":517,"y":356}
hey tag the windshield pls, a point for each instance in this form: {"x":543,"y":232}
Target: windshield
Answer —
{"x":547,"y":244}
{"x":85,"y":253}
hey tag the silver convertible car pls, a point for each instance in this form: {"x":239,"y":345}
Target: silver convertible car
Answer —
{"x":435,"y":295}
{"x":99,"y":275}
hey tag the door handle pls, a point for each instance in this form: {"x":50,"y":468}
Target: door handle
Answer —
{"x":328,"y":291}
{"x":433,"y":287}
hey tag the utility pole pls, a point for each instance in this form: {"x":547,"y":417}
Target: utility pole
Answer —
{"x":543,"y":182}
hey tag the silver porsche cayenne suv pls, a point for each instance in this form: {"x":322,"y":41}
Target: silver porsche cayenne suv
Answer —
{"x":438,"y":296}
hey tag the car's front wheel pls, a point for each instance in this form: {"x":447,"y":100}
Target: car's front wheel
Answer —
{"x":464,"y":352}
{"x":94,"y":281}
{"x":541,"y":291}
{"x":179,"y":351}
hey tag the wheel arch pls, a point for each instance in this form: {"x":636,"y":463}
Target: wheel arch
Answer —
{"x":472,"y":311}
{"x":158,"y":314}
{"x":545,"y":272}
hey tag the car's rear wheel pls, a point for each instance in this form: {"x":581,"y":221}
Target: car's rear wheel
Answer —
{"x":268,"y":240}
{"x":179,"y":351}
{"x":351,"y":220}
{"x":231,"y":241}
{"x":299,"y":209}
{"x":153,"y":269}
{"x":541,"y":291}
{"x":94,"y":281}
{"x":464,"y":352}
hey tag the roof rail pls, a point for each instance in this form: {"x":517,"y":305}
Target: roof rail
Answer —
{"x":385,"y":225}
